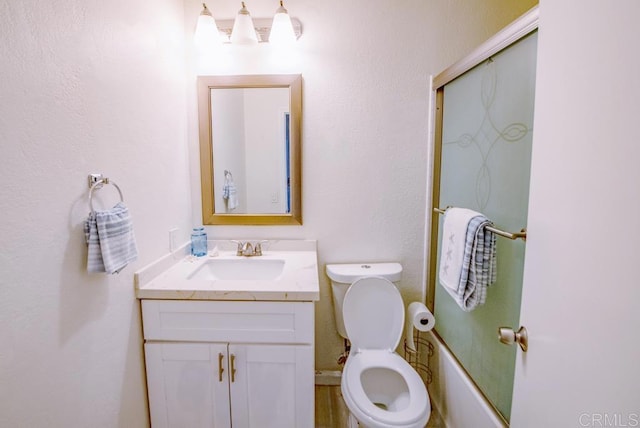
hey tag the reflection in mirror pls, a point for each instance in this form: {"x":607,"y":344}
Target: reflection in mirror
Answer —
{"x":250,"y":142}
{"x":250,"y":149}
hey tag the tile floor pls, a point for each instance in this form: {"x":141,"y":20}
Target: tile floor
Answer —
{"x":331,"y":412}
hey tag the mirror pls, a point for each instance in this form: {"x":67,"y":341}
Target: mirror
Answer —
{"x":250,"y":149}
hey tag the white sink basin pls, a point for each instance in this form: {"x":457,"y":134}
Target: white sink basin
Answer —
{"x":287,"y":270}
{"x":240,"y":269}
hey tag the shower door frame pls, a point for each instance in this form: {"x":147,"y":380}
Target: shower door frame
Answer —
{"x":514,"y":32}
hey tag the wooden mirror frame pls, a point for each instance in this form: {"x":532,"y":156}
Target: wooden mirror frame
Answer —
{"x":205,"y":84}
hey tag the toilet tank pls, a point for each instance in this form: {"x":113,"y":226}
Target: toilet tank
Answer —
{"x":343,"y":275}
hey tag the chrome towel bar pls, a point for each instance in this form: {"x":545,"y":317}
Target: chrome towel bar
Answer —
{"x":511,"y":235}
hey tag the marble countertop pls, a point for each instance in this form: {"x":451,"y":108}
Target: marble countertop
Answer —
{"x":167,"y":278}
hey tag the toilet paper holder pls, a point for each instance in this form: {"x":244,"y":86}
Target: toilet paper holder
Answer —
{"x":420,"y":358}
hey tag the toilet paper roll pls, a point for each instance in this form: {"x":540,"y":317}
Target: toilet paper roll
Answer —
{"x":420,"y":318}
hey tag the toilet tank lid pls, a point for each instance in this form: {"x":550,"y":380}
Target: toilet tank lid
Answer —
{"x":348,"y":273}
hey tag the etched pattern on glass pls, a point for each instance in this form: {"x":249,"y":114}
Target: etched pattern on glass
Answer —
{"x":488,"y":134}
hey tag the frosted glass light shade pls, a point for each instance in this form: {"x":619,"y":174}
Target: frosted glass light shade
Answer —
{"x":243,"y":32}
{"x":207,"y":34}
{"x":282,"y":33}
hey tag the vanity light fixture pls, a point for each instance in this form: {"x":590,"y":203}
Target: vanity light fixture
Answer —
{"x":244,"y":32}
{"x":281,"y":30}
{"x":207,"y":33}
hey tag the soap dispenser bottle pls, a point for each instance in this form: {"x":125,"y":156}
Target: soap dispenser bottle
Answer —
{"x":198,"y":242}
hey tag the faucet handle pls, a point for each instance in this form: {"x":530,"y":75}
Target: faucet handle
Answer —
{"x":240,"y":245}
{"x":257,"y":249}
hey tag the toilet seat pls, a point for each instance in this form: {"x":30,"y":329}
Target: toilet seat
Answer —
{"x":413,"y":414}
{"x":373,"y":313}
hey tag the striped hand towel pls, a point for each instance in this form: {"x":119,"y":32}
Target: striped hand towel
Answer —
{"x":467,"y":266}
{"x":110,"y":240}
{"x":94,"y":255}
{"x":229,"y":193}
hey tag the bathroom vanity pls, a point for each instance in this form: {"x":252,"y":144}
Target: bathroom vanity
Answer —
{"x":229,"y":339}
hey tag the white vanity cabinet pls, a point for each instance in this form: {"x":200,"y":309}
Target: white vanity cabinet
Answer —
{"x":229,"y":363}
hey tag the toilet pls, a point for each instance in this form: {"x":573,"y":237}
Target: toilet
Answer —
{"x":379,"y":387}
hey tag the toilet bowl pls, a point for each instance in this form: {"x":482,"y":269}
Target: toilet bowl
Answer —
{"x":379,"y":387}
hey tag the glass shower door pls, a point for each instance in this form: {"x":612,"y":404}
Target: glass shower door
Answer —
{"x":485,"y":156}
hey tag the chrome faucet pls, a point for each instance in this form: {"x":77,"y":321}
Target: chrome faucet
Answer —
{"x":246,"y":249}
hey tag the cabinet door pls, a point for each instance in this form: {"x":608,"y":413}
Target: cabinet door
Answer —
{"x":272,"y":386}
{"x":186,"y":385}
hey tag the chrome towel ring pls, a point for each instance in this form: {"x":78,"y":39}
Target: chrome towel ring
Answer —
{"x":98,"y":185}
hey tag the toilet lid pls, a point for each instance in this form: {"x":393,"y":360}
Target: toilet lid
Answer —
{"x":373,"y":314}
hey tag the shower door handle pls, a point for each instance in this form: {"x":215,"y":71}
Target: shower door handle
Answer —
{"x":507,"y":336}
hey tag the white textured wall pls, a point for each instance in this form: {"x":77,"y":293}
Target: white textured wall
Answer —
{"x":85,"y":86}
{"x":365,"y":67}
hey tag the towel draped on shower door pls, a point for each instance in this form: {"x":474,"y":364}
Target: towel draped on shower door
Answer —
{"x":468,"y":257}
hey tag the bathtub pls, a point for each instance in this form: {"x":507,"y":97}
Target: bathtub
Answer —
{"x":453,"y":394}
